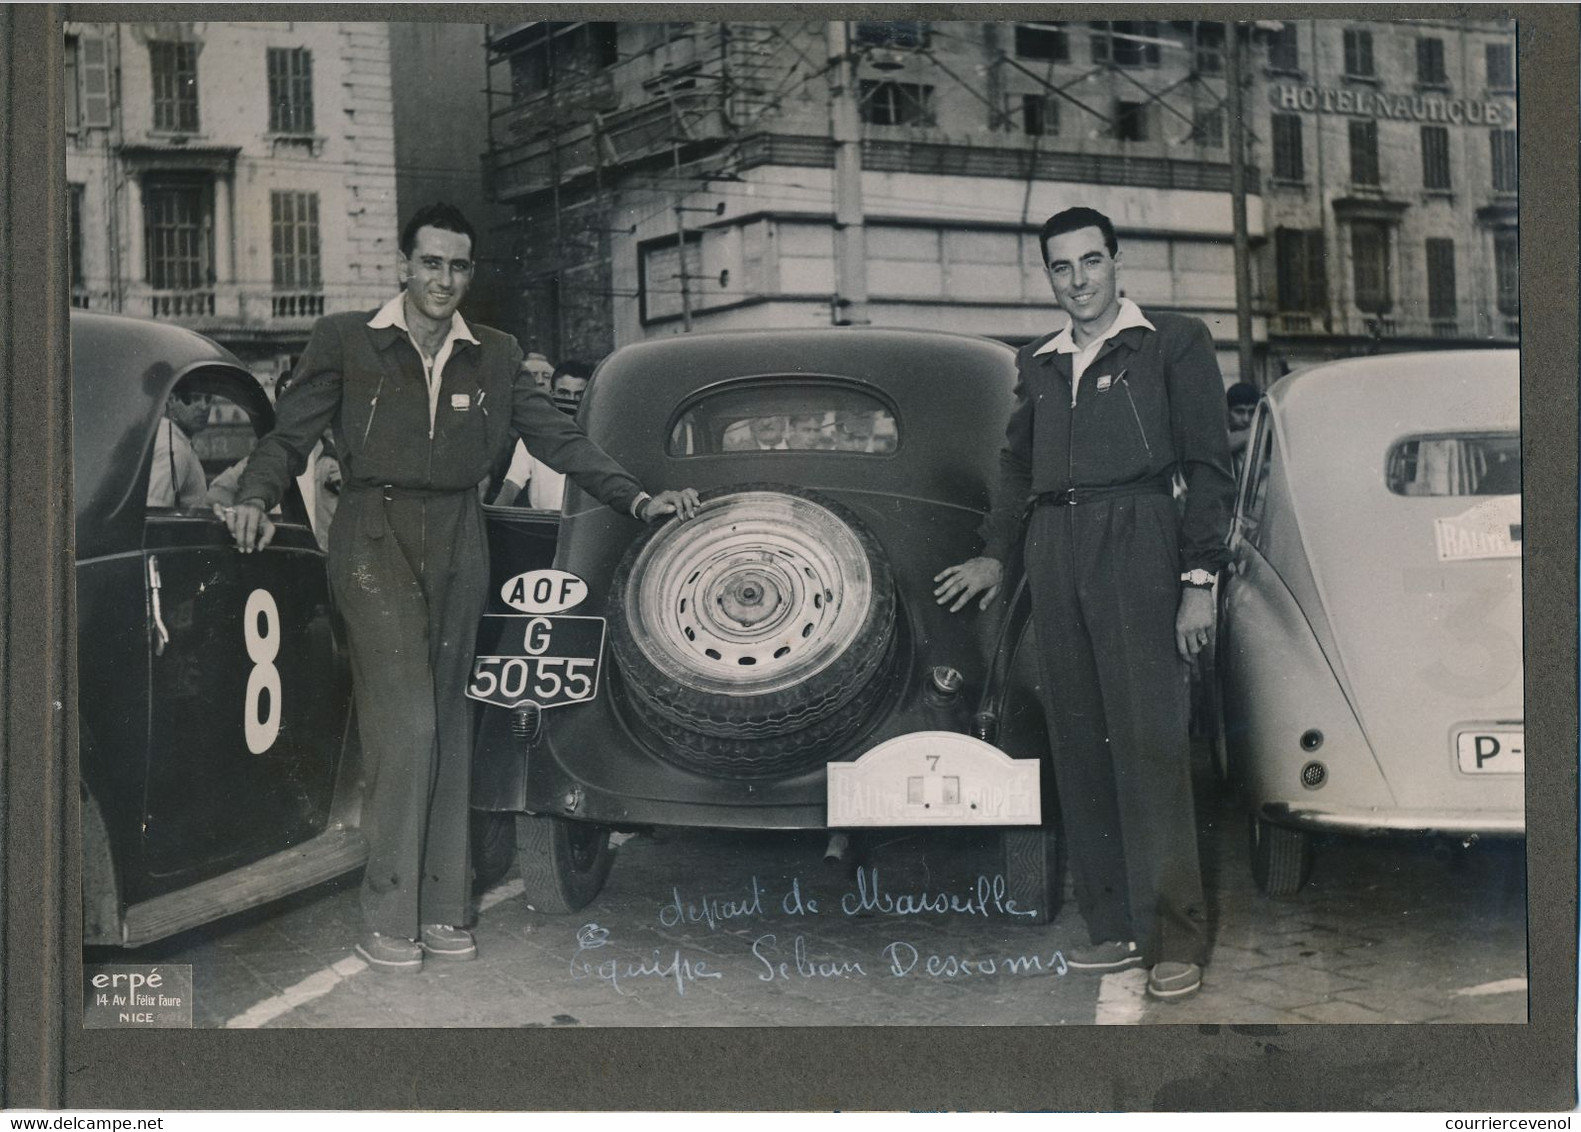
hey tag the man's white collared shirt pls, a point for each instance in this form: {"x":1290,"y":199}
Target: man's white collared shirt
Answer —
{"x":1064,"y":343}
{"x":393,"y":313}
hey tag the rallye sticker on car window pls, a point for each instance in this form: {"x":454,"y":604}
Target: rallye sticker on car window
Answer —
{"x":544,"y":591}
{"x":549,"y":661}
{"x":1491,"y":529}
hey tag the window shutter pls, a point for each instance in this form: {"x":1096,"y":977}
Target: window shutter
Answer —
{"x":94,"y":67}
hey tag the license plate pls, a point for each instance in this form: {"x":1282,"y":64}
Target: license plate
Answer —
{"x":548,"y":661}
{"x":934,"y":778}
{"x":1493,"y":750}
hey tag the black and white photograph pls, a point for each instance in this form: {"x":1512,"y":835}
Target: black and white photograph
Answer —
{"x":798,"y":522}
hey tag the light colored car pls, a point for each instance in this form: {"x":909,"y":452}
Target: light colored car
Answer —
{"x":1369,"y":667}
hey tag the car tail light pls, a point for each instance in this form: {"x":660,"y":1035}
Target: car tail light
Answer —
{"x":1313,"y":775}
{"x":1311,"y":740}
{"x":527,"y":724}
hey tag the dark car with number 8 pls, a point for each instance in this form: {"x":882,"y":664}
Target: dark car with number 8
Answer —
{"x":778,"y":661}
{"x":219,"y":765}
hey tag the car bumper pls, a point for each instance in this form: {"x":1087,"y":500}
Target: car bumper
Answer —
{"x":1367,"y":823}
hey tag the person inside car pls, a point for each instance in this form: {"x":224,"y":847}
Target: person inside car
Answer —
{"x":1107,"y":410}
{"x":176,"y":478}
{"x":421,"y":404}
{"x":808,"y":432}
{"x":1240,"y":405}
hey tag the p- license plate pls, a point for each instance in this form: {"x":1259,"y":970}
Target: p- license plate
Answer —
{"x":548,"y":661}
{"x":1493,"y":750}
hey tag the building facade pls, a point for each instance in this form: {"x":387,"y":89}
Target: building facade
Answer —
{"x":1391,"y":187}
{"x":674,"y":176}
{"x":238,"y":179}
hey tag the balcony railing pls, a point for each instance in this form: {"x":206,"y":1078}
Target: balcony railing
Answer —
{"x":302,"y":305}
{"x":1469,"y":327}
{"x":180,"y":304}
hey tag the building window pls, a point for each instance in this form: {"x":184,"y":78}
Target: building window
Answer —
{"x":1505,"y":167}
{"x":290,"y":90}
{"x":1208,"y":126}
{"x":74,"y":245}
{"x":1435,"y":157}
{"x":1125,"y":43}
{"x":1039,"y":115}
{"x":1430,"y":63}
{"x":1369,"y":249}
{"x":178,"y":223}
{"x":1302,"y":269}
{"x":1507,"y":270}
{"x":560,"y":49}
{"x":905,"y":34}
{"x":1358,"y":54}
{"x":1440,"y":279}
{"x":1289,"y":162}
{"x":73,"y":101}
{"x":1501,"y":66}
{"x":293,"y":228}
{"x":175,"y":78}
{"x":1130,"y":121}
{"x":897,"y":104}
{"x":1208,"y":39}
{"x":1284,"y":52}
{"x":664,"y":276}
{"x":1363,"y":152}
{"x":1049,"y":42}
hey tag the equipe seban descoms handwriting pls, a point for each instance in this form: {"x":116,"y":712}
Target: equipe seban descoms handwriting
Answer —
{"x":775,"y":957}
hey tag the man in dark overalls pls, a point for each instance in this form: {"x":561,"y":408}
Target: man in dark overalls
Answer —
{"x":1107,"y":409}
{"x":421,"y":404}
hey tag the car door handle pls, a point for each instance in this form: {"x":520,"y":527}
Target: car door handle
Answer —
{"x":161,"y":634}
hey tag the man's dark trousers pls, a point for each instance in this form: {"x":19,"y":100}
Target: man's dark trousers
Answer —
{"x":1104,"y":580}
{"x":409,"y":571}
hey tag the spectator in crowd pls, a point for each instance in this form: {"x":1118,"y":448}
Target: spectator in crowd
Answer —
{"x":1240,"y":402}
{"x":545,"y":486}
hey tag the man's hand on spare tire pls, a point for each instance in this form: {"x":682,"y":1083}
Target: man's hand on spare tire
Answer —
{"x":682,"y":503}
{"x":964,"y":582}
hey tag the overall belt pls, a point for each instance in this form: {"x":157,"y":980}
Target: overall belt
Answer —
{"x":1072,"y":496}
{"x":391,"y":492}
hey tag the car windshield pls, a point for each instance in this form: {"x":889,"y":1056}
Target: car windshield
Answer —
{"x":777,"y":416}
{"x":1456,"y":464}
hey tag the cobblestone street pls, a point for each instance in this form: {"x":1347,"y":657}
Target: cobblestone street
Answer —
{"x":1388,"y":932}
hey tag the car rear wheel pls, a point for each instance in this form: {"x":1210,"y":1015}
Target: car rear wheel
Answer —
{"x":1281,"y":857}
{"x":1034,"y":864}
{"x":751,"y":637}
{"x":493,"y":848}
{"x":564,"y":864}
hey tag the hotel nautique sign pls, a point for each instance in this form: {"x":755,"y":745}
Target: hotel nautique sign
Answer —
{"x":1399,"y":107}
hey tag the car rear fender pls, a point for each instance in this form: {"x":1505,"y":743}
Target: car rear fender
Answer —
{"x":101,"y":876}
{"x":1278,"y":687}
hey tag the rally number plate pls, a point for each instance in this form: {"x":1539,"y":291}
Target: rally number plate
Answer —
{"x":548,"y":661}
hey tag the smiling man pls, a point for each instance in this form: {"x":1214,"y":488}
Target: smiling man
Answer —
{"x":1107,"y":410}
{"x":421,"y":404}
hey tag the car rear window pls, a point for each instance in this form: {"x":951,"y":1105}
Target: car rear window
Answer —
{"x":791,"y":415}
{"x":1451,"y":464}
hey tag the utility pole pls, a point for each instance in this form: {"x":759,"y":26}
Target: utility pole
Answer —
{"x":680,"y":242}
{"x":850,"y":236}
{"x":1243,"y":264}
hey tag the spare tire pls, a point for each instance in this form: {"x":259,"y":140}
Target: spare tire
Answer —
{"x":763,"y":617}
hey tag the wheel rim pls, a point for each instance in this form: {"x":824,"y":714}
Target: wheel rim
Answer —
{"x":757,"y":593}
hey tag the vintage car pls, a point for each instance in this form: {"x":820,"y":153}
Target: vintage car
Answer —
{"x":778,"y":661}
{"x":1368,"y":662}
{"x":218,"y":764}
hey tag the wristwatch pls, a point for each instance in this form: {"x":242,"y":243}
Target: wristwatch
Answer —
{"x":1202,"y":579}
